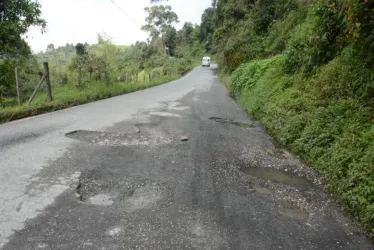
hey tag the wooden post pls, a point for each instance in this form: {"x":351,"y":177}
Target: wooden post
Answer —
{"x":35,"y":90}
{"x":48,"y":81}
{"x":18,"y":86}
{"x":79,"y":75}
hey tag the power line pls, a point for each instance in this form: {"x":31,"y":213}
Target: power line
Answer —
{"x":125,"y":13}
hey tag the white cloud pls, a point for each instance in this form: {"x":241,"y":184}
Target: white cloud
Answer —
{"x":73,"y":21}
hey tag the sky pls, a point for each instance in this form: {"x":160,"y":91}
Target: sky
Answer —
{"x":74,"y":21}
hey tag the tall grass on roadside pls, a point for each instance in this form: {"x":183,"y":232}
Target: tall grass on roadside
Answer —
{"x":68,"y":95}
{"x":327,"y":119}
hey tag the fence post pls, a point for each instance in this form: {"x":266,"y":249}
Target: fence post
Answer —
{"x":48,"y":81}
{"x":18,"y":86}
{"x":35,"y":91}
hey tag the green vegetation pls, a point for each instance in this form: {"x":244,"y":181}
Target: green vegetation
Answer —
{"x":68,"y":96}
{"x":305,"y":69}
{"x":85,"y":72}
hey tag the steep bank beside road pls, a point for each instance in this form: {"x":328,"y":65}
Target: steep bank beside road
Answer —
{"x":305,"y":69}
{"x":334,"y":135}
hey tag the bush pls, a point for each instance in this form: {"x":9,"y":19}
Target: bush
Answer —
{"x":248,"y":74}
{"x":327,"y":119}
{"x":317,"y":96}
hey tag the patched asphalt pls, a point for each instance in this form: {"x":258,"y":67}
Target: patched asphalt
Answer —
{"x":127,"y":180}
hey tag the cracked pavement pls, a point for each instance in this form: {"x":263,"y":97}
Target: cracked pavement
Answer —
{"x":114,"y":174}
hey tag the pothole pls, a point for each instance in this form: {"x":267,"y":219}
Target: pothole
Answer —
{"x":102,"y":199}
{"x":294,"y":213}
{"x":225,"y":121}
{"x":181,"y":108}
{"x":164,"y":114}
{"x":84,"y":135}
{"x":133,"y":137}
{"x":278,"y":176}
{"x":89,"y":136}
{"x":109,"y":190}
{"x":176,"y":106}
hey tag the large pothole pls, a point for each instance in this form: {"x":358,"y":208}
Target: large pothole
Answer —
{"x":91,"y":136}
{"x":131,"y":195}
{"x":131,"y":137}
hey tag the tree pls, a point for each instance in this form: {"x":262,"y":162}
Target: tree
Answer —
{"x":81,"y":53}
{"x":207,"y":27}
{"x":50,"y":48}
{"x":15,"y":19}
{"x":105,"y":52}
{"x":159,"y":20}
{"x":187,"y":33}
{"x":169,"y":39}
{"x":80,"y":49}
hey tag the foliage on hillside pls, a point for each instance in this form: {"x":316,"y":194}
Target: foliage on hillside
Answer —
{"x":305,"y":69}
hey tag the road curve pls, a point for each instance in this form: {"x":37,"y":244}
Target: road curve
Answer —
{"x":115,"y":174}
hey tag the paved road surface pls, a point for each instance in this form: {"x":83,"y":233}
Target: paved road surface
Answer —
{"x":114,"y":174}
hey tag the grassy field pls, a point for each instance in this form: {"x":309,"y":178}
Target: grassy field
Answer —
{"x":68,"y":96}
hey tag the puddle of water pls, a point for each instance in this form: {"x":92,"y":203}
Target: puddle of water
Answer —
{"x":278,"y":176}
{"x":102,"y":199}
{"x":239,"y":124}
{"x":263,"y":190}
{"x":294,"y":213}
{"x":164,"y":114}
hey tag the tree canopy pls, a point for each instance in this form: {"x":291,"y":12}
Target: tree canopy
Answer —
{"x":15,"y":19}
{"x":159,"y":20}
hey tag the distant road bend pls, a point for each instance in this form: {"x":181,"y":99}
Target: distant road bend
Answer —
{"x":115,"y":174}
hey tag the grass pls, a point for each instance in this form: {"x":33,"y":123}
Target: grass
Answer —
{"x":327,"y":119}
{"x":225,"y":79}
{"x":68,"y":96}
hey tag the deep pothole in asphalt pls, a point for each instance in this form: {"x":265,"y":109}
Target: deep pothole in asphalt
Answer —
{"x":91,"y":136}
{"x":130,"y":136}
{"x":165,"y":114}
{"x":278,"y":176}
{"x":129,"y":195}
{"x":226,"y":121}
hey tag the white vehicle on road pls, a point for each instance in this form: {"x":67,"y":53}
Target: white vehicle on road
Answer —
{"x":206,"y":61}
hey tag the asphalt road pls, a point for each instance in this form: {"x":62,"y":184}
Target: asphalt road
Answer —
{"x":114,"y":174}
